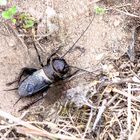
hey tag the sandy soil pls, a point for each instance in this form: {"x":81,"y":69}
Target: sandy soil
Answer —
{"x":106,"y":39}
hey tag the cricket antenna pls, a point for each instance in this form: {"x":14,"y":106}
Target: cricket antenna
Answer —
{"x":90,"y":72}
{"x":79,"y":37}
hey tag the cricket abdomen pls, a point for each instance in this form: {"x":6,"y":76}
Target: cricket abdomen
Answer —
{"x":34,"y":83}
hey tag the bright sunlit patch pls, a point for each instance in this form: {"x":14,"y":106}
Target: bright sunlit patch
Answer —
{"x":3,"y":2}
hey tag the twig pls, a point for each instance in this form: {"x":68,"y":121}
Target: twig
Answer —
{"x":117,"y":6}
{"x":120,"y":81}
{"x":129,"y":111}
{"x":131,"y":50}
{"x":17,"y":36}
{"x":126,"y":94}
{"x":105,"y":104}
{"x":127,"y":13}
{"x":73,"y":124}
{"x":100,"y":112}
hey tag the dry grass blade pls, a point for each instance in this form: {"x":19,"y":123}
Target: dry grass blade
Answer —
{"x":105,"y":104}
{"x":42,"y":133}
{"x":18,"y":37}
{"x":88,"y":123}
{"x":136,"y":130}
{"x":30,"y":129}
{"x":99,"y":115}
{"x":131,"y":49}
{"x":127,"y":13}
{"x":129,"y":111}
{"x":126,"y":94}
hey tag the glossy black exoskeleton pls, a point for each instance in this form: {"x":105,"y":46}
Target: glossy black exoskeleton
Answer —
{"x":40,"y":80}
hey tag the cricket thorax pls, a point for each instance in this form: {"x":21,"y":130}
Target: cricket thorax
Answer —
{"x":41,"y":74}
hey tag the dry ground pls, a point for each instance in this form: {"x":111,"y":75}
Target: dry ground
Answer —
{"x":106,"y":40}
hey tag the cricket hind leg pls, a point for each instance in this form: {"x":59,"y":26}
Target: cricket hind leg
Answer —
{"x":31,"y":103}
{"x":35,"y":100}
{"x":24,"y":72}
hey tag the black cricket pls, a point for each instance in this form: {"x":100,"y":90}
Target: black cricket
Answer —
{"x":40,"y":80}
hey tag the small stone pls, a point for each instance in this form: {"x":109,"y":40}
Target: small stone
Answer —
{"x":2,"y":122}
{"x":10,"y":121}
{"x":116,"y":23}
{"x":11,"y":42}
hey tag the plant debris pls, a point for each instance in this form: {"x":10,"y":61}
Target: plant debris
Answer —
{"x":107,"y":106}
